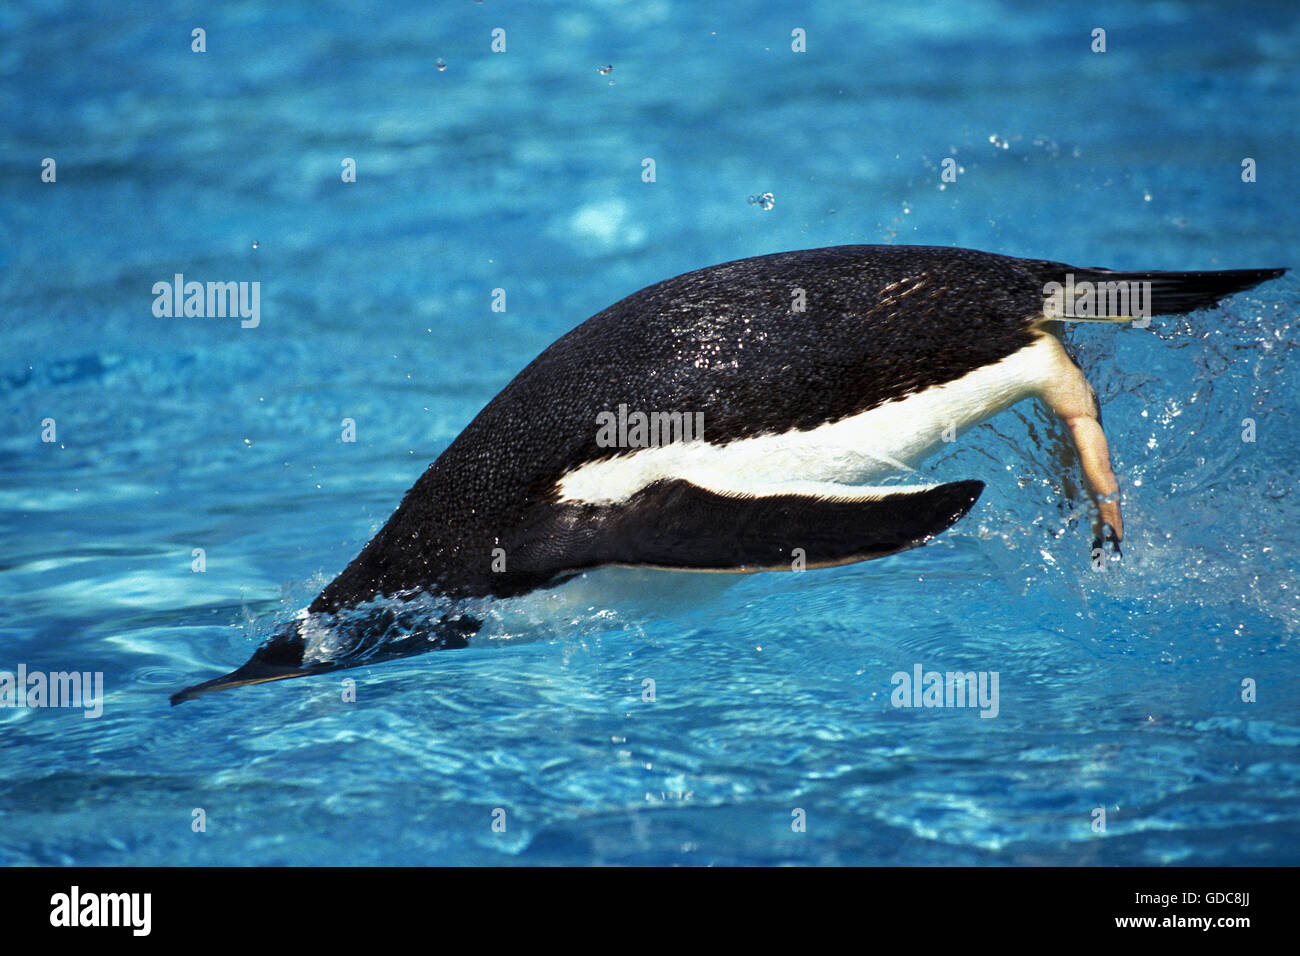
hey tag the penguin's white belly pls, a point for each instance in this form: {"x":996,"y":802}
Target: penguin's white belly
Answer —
{"x":832,"y":460}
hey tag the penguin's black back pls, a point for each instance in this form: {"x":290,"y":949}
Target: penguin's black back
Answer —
{"x":878,"y":322}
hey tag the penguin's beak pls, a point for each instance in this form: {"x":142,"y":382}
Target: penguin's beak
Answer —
{"x":278,"y":659}
{"x":368,"y":640}
{"x":254,"y":672}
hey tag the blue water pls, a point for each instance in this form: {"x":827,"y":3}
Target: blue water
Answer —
{"x":1119,"y":689}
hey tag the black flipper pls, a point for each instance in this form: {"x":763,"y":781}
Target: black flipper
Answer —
{"x":680,"y":526}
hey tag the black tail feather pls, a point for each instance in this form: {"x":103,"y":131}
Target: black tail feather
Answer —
{"x":1175,"y":293}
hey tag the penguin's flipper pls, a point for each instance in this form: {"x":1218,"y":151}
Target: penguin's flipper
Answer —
{"x":677,"y":525}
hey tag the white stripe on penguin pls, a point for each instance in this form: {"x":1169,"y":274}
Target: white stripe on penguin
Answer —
{"x":830,"y":460}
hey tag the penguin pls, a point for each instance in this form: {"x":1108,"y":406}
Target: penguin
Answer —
{"x":732,"y":419}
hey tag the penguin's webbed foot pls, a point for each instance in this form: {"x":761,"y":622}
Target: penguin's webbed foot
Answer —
{"x":1105,"y":534}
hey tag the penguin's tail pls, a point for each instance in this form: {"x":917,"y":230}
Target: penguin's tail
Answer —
{"x":1103,"y":295}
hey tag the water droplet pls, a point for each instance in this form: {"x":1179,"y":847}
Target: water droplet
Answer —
{"x":999,"y":142}
{"x":440,"y":63}
{"x":1277,"y":487}
{"x":255,"y":243}
{"x":603,"y":70}
{"x":765,"y":200}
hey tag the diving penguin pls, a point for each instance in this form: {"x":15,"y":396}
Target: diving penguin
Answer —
{"x":724,"y":420}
